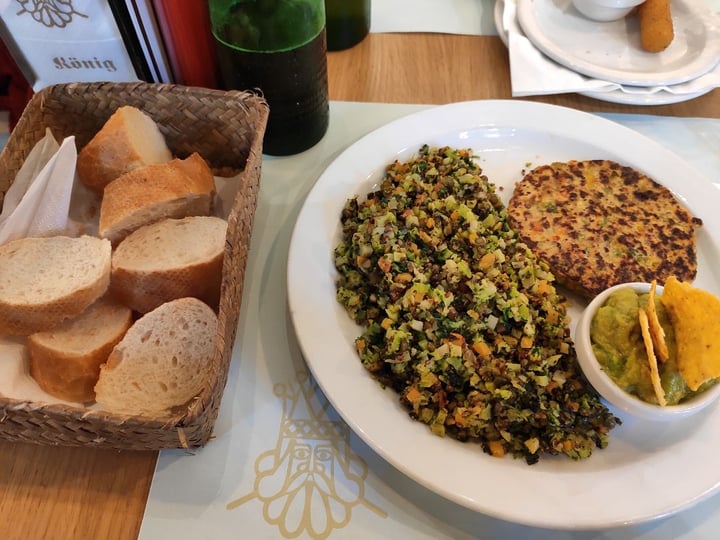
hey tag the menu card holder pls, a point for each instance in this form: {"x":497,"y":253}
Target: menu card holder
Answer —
{"x":66,"y":42}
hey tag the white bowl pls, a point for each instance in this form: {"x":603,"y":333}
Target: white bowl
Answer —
{"x":605,"y":10}
{"x":607,"y":388}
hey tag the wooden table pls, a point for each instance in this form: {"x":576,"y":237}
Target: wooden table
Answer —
{"x":75,"y":493}
{"x":436,"y":69}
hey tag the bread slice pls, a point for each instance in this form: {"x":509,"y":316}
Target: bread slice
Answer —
{"x":44,"y":281}
{"x":170,"y":259}
{"x":65,"y":361}
{"x":163,"y":361}
{"x":128,"y":140}
{"x":175,"y":189}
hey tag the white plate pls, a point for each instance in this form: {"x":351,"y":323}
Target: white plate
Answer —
{"x":639,"y":96}
{"x":647,"y":470}
{"x":612,"y":51}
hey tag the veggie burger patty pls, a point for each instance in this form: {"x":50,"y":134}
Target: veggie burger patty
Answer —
{"x":460,"y":317}
{"x":598,"y":223}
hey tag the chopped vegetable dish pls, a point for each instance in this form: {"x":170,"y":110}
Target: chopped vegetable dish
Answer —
{"x":459,"y":317}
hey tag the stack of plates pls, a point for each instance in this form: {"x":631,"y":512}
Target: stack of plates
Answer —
{"x":611,"y":51}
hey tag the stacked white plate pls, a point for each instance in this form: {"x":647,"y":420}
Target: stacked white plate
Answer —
{"x":604,"y":60}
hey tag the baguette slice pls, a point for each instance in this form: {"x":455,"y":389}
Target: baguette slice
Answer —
{"x":65,"y":361}
{"x":129,"y":139}
{"x":44,"y":281}
{"x":175,"y":189}
{"x":170,"y":259}
{"x":163,"y":361}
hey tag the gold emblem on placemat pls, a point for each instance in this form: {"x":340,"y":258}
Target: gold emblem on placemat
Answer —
{"x":311,"y":481}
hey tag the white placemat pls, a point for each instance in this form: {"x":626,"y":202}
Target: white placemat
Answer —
{"x":472,"y":17}
{"x":245,"y":482}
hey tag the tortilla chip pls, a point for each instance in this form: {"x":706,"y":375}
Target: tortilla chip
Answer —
{"x":695,"y":316}
{"x":657,"y":333}
{"x":652,"y":360}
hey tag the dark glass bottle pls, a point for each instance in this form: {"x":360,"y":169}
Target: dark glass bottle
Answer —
{"x":279,"y":47}
{"x":348,"y":22}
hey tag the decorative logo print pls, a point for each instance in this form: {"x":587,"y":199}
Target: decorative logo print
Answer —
{"x":311,"y":480}
{"x":50,"y":12}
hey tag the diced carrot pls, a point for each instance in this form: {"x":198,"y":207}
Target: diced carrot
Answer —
{"x":413,"y":395}
{"x":482,"y":349}
{"x":543,"y":287}
{"x":496,"y":448}
{"x":384,"y":264}
{"x":487,"y":261}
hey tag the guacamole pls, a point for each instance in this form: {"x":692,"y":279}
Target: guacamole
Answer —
{"x":618,"y":345}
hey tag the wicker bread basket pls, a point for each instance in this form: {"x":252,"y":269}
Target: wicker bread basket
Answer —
{"x":227,"y":129}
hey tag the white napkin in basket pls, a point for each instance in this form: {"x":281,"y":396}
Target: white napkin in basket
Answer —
{"x":533,"y":73}
{"x":38,"y":201}
{"x":36,"y":204}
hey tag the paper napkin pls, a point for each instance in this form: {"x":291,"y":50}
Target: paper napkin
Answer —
{"x":38,"y":201}
{"x":533,"y":73}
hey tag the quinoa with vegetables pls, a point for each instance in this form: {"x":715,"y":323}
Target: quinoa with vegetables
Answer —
{"x":459,"y":317}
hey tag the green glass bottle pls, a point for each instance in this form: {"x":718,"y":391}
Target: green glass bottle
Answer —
{"x":279,"y":47}
{"x":348,"y":22}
